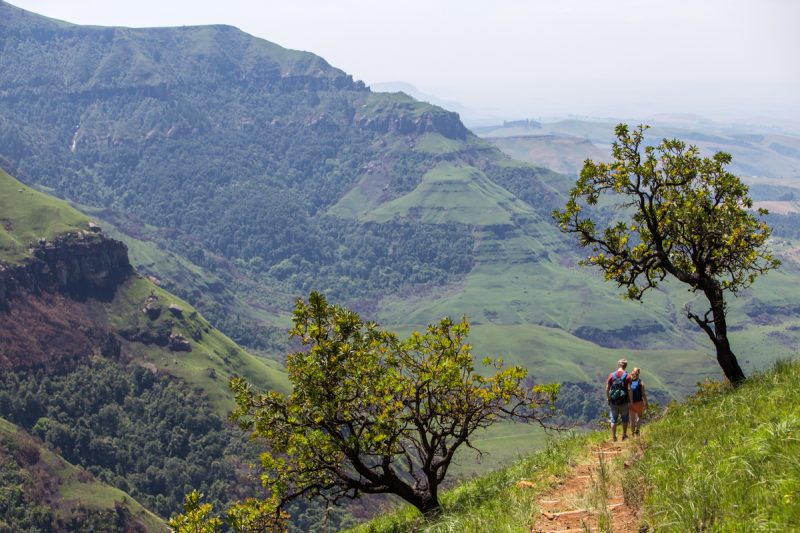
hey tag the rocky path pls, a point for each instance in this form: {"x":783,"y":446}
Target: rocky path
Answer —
{"x":589,"y":499}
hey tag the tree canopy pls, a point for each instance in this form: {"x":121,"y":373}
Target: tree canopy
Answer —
{"x":684,"y":216}
{"x":370,"y":413}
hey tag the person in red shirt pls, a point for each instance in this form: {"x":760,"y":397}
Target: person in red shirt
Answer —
{"x":618,"y":394}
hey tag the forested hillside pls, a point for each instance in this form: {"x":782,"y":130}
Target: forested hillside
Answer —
{"x":276,"y":173}
{"x":111,"y":373}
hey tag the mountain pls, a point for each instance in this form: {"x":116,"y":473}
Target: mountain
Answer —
{"x":122,"y":379}
{"x":262,"y":173}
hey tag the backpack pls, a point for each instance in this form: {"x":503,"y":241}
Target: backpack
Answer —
{"x":636,"y":390}
{"x":618,"y":394}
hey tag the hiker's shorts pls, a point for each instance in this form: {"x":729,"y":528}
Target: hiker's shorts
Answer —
{"x":618,"y":411}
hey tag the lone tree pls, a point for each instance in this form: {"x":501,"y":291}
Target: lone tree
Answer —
{"x":686,"y":217}
{"x":369,"y":413}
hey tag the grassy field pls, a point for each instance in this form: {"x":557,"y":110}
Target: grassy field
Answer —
{"x":26,"y":215}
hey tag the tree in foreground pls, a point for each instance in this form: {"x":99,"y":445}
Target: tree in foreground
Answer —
{"x":686,"y":217}
{"x":372,"y":414}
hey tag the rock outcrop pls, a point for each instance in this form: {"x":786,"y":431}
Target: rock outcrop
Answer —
{"x":45,"y":319}
{"x":446,"y":123}
{"x":73,"y":266}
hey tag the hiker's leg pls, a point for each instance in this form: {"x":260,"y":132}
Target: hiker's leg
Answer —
{"x":613,"y":414}
{"x":624,"y":412}
{"x":638,"y":416}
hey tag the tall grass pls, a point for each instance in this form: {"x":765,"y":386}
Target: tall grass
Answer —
{"x":727,"y":460}
{"x":492,"y":502}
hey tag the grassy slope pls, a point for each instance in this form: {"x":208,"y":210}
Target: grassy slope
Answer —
{"x":727,"y":460}
{"x":31,"y":214}
{"x":27,"y":215}
{"x":214,"y":357}
{"x":491,"y":502}
{"x":76,"y":487}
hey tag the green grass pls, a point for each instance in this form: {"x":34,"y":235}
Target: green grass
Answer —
{"x":455,"y":193}
{"x":75,"y":487}
{"x":213,"y":359}
{"x":435,"y":143}
{"x":27,"y":215}
{"x":728,"y":460}
{"x":502,"y":444}
{"x":492,"y":502}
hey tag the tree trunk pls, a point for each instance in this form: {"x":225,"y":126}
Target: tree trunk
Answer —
{"x":429,"y":506}
{"x":427,"y":501}
{"x":727,"y":361}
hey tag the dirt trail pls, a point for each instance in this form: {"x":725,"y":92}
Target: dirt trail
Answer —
{"x":588,"y":499}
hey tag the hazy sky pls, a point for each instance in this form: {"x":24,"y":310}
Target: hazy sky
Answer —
{"x":523,"y":58}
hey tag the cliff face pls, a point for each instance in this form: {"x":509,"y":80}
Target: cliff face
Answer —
{"x":74,"y":265}
{"x":446,"y":123}
{"x":44,"y":322}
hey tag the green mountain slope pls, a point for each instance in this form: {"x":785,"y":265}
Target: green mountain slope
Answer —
{"x":117,"y":375}
{"x":40,"y":491}
{"x":27,"y":215}
{"x":274,"y":173}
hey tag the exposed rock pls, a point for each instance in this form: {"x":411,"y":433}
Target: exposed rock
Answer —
{"x":78,"y":269}
{"x":152,"y":310}
{"x":446,"y":123}
{"x":176,"y":310}
{"x":179,"y":343}
{"x":158,"y":334}
{"x":94,"y":228}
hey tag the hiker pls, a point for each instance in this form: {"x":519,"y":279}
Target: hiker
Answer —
{"x":638,"y":401}
{"x":618,"y":394}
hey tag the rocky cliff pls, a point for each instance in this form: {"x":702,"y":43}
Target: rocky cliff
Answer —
{"x":76,"y":265}
{"x":44,"y":320}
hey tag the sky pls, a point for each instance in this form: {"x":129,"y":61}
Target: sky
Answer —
{"x":511,"y":59}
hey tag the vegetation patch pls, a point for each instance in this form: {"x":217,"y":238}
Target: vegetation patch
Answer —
{"x":26,"y":215}
{"x":39,"y":491}
{"x":726,"y":458}
{"x":494,"y":502}
{"x":144,"y":433}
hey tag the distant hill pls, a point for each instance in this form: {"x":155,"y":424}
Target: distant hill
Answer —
{"x":768,"y":157}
